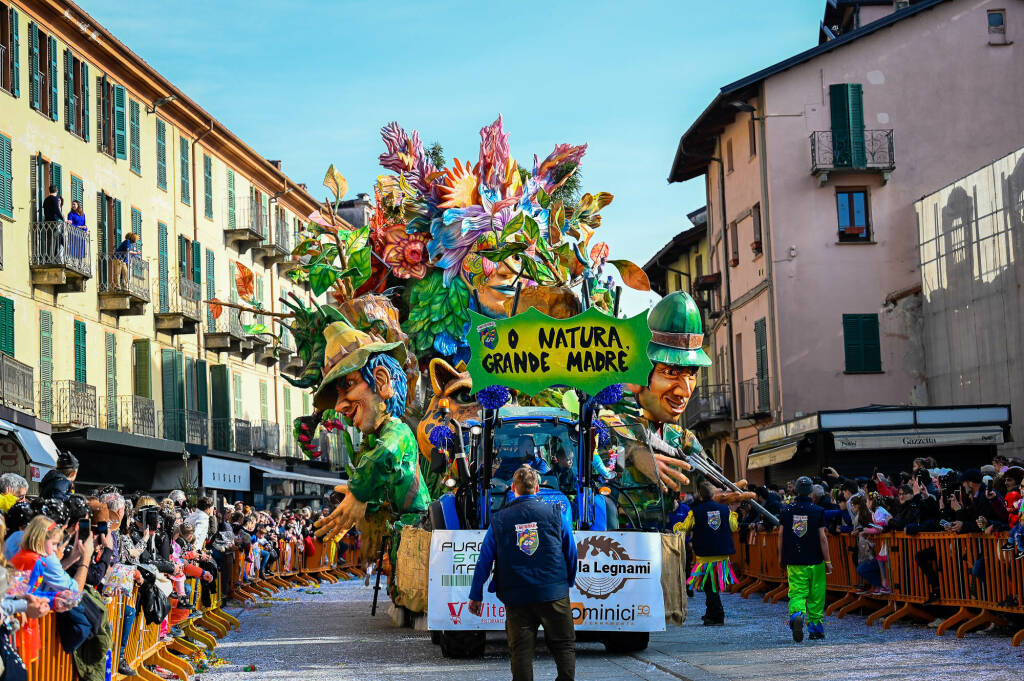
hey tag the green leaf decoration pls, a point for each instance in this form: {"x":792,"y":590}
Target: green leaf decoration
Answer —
{"x":254,"y":329}
{"x":556,"y":218}
{"x":329,"y":254}
{"x":512,"y":226}
{"x":543,"y":198}
{"x":571,"y":402}
{"x":304,"y":246}
{"x":321,"y":278}
{"x":530,"y":228}
{"x":504,"y":251}
{"x":360,"y":260}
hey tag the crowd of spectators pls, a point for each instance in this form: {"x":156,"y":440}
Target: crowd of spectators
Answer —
{"x":68,"y":553}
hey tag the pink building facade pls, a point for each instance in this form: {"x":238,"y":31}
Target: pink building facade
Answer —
{"x":812,"y":167}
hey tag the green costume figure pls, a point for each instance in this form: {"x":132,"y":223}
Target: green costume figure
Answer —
{"x":364,"y":382}
{"x":803,"y":550}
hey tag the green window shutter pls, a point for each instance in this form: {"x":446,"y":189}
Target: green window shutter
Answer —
{"x":57,"y":175}
{"x":103,"y":97}
{"x":183,"y":272}
{"x":137,"y":222}
{"x":871,"y":344}
{"x":208,"y":186}
{"x":761,"y":355}
{"x":211,"y":288}
{"x":7,"y":326}
{"x":201,"y":387}
{"x":52,"y":44}
{"x":197,"y":262}
{"x":186,"y":193}
{"x":15,"y":49}
{"x":134,"y":136}
{"x":38,"y":182}
{"x":101,"y":223}
{"x":220,"y":392}
{"x":81,"y":373}
{"x":236,"y":384}
{"x":852,"y":343}
{"x":173,"y":398}
{"x":85,"y":101}
{"x":190,"y":384}
{"x":263,"y":401}
{"x":259,"y":297}
{"x":110,"y":348}
{"x":120,"y":129}
{"x":231,"y":199}
{"x":46,"y":365}
{"x":117,"y":223}
{"x":33,"y":65}
{"x":69,"y":90}
{"x":847,"y":112}
{"x":163,"y":266}
{"x":143,"y":384}
{"x":287,"y":410}
{"x":161,"y":154}
{"x":77,"y":190}
{"x":6,"y":178}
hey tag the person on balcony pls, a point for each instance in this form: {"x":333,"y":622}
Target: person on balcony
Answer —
{"x":79,"y":232}
{"x":122,"y":260}
{"x":53,"y":213}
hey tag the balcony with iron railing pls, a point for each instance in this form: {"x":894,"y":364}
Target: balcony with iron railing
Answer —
{"x":232,"y":435}
{"x":178,"y":309}
{"x":707,"y":404}
{"x":123,"y":282}
{"x":844,"y":152}
{"x":266,"y":438}
{"x":246,"y":225}
{"x":60,"y":255}
{"x":133,"y":414}
{"x":226,"y":334}
{"x":74,"y":404}
{"x":186,"y":425}
{"x":755,"y":398}
{"x":17,"y":381}
{"x":277,"y":248}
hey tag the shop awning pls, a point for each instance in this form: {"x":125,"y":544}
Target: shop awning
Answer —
{"x":763,"y":456}
{"x":38,"y":446}
{"x":269,"y":471}
{"x":852,"y":440}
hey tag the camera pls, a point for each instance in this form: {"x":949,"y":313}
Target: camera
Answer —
{"x":148,"y":517}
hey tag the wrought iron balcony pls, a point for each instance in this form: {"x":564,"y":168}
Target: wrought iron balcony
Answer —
{"x":60,"y":255}
{"x":755,"y":399}
{"x":708,"y":403}
{"x":277,"y":249}
{"x":227,"y":335}
{"x":129,"y":414}
{"x":232,"y":435}
{"x":74,"y":404}
{"x":846,"y":153}
{"x":123,"y":283}
{"x":17,"y":382}
{"x":246,"y":226}
{"x":179,"y":309}
{"x":186,"y":425}
{"x":266,"y":438}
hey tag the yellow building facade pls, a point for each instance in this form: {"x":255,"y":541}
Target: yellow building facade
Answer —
{"x":123,"y":342}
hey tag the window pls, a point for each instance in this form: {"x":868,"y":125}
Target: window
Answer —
{"x":42,"y":73}
{"x":186,"y":193}
{"x":211,"y":288}
{"x":755,"y":215}
{"x":207,"y":186}
{"x":846,"y":106}
{"x":112,"y":126}
{"x":761,"y":358}
{"x":10,"y":68}
{"x":737,"y":354}
{"x":728,"y":156}
{"x":236,"y":385}
{"x":189,"y":260}
{"x":44,"y":174}
{"x":80,"y":355}
{"x":161,"y":154}
{"x":163,"y":267}
{"x":46,"y":365}
{"x":76,"y":95}
{"x":110,"y":355}
{"x":861,"y":343}
{"x":698,"y":266}
{"x":137,"y":223}
{"x":7,"y":326}
{"x":77,"y":190}
{"x":752,"y":136}
{"x":231,"y":199}
{"x":997,"y":27}
{"x":134,"y":137}
{"x":108,"y":225}
{"x":6,"y":178}
{"x":734,"y":243}
{"x":264,"y":415}
{"x":853,"y":215}
{"x":142,"y":370}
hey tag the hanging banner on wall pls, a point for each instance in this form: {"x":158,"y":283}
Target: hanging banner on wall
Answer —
{"x":618,"y":583}
{"x":532,"y":351}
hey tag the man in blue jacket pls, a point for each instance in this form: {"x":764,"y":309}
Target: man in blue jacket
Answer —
{"x":535,"y":553}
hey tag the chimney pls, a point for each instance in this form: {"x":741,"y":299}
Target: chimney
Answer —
{"x":276,"y":164}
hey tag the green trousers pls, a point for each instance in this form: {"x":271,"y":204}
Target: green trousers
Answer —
{"x":807,"y":590}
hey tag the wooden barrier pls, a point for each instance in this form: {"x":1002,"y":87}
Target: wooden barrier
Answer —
{"x":974,"y":575}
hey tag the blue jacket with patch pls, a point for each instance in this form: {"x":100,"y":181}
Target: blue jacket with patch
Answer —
{"x":535,"y":552}
{"x":708,"y":540}
{"x":801,"y":543}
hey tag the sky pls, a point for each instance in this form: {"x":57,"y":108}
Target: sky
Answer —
{"x":312,"y":82}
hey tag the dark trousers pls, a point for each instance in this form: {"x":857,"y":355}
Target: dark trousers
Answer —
{"x":713,"y":610}
{"x":927,"y":561}
{"x":521,"y":622}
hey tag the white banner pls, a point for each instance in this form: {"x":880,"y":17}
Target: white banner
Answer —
{"x":618,"y":583}
{"x":225,"y":474}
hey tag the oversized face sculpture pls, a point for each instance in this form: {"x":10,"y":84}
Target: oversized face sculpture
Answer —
{"x":362,"y":404}
{"x":493,"y":287}
{"x":667,"y":392}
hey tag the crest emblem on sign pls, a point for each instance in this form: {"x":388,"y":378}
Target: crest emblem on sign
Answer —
{"x":714,"y":520}
{"x":527,"y":538}
{"x":488,"y":335}
{"x":799,"y":525}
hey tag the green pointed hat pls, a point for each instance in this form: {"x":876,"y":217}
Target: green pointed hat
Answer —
{"x":676,"y":332}
{"x":348,"y":350}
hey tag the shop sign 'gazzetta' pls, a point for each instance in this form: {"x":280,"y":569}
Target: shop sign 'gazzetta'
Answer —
{"x":532,"y":351}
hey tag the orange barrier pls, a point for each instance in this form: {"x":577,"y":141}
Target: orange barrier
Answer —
{"x":974,"y":575}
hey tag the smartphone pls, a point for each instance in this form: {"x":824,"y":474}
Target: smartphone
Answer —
{"x":84,"y":529}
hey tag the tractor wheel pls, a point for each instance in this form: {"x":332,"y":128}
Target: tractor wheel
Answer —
{"x":627,"y":642}
{"x":462,"y":644}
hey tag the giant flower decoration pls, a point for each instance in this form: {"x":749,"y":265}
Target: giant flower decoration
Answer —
{"x":404,"y":253}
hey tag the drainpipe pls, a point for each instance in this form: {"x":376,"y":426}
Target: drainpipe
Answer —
{"x":727,"y":305}
{"x":769,"y":263}
{"x":195,"y":223}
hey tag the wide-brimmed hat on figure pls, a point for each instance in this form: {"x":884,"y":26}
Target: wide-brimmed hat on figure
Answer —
{"x":348,"y":350}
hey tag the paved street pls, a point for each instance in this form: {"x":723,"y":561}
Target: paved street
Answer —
{"x":331,"y":636}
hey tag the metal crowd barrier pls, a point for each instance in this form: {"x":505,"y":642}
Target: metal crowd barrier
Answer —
{"x":984,"y":583}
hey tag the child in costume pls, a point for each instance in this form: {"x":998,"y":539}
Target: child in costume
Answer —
{"x":803,"y":551}
{"x":711,"y":525}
